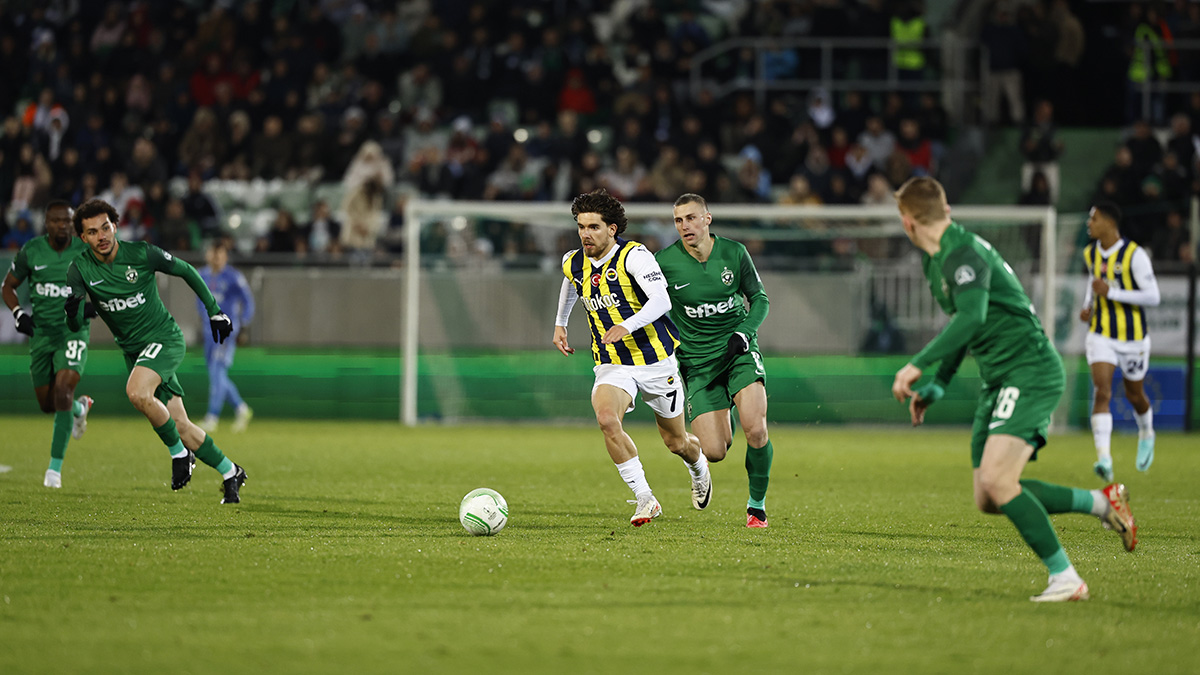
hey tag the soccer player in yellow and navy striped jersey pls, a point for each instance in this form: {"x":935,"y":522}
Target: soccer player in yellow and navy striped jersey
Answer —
{"x":1121,"y":284}
{"x":633,"y":344}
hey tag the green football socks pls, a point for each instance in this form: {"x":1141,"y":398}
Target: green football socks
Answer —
{"x":63,"y":421}
{"x":210,"y":454}
{"x":1059,"y":499}
{"x":758,"y":469}
{"x":170,"y":438}
{"x":1033,"y":523}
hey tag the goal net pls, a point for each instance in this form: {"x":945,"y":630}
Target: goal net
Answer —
{"x":849,"y":304}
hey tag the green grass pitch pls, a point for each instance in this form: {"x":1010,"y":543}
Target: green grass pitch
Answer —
{"x":346,"y":556}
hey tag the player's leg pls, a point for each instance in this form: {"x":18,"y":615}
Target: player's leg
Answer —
{"x":610,"y":401}
{"x":1134,"y":365}
{"x":997,"y":486}
{"x":62,"y":395}
{"x":216,"y":388}
{"x":751,"y":404}
{"x":1102,"y":359}
{"x":206,"y":450}
{"x":242,"y":412}
{"x":714,"y":432}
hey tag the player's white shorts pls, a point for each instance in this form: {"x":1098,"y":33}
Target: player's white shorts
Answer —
{"x":660,"y":384}
{"x":1131,"y":356}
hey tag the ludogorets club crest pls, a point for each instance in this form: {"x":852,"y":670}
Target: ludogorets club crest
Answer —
{"x":727,"y":276}
{"x":130,"y":274}
{"x":964,"y":275}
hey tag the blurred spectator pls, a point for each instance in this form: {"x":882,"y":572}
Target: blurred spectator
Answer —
{"x":1068,"y":52}
{"x":624,"y":176}
{"x":516,"y":178}
{"x":200,"y":207}
{"x":879,"y":191}
{"x":576,"y":95}
{"x":1041,"y":149}
{"x":877,"y":141}
{"x":839,"y":145}
{"x":108,"y":32}
{"x":419,"y":87}
{"x":909,"y":31}
{"x":236,"y":163}
{"x":667,"y":176}
{"x":323,"y":232}
{"x":120,"y":193}
{"x":800,"y":193}
{"x":1183,"y":143}
{"x":145,"y":166}
{"x":1038,"y":193}
{"x":283,"y":236}
{"x":1005,"y":45}
{"x":918,"y":149}
{"x":52,"y":138}
{"x":1149,"y":61}
{"x":309,"y":149}
{"x":272,"y":151}
{"x":1172,"y":242}
{"x":1144,"y":148}
{"x":366,"y":184}
{"x":202,"y":144}
{"x":753,"y":181}
{"x":177,"y":232}
{"x":20,"y":233}
{"x":820,"y":110}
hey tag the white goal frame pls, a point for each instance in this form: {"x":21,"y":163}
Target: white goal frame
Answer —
{"x":418,"y":211}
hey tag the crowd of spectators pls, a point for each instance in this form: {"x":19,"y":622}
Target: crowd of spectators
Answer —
{"x":467,"y":100}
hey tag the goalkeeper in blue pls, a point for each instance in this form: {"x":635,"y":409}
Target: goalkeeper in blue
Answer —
{"x":232,"y":293}
{"x":991,"y":316}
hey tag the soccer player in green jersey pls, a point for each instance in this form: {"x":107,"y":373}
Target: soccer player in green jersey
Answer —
{"x":707,"y":279}
{"x":120,"y":279}
{"x":57,"y":355}
{"x":1023,"y":379}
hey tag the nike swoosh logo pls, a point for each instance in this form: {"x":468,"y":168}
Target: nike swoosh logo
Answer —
{"x":677,"y":286}
{"x":995,"y":424}
{"x":96,"y":282}
{"x":40,"y":267}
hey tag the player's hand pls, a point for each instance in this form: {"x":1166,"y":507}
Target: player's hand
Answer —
{"x":89,"y":311}
{"x":614,"y":334}
{"x":906,"y":377}
{"x":1085,"y":315}
{"x":24,"y":321}
{"x":560,"y":340}
{"x":738,"y":344}
{"x":1100,"y":288}
{"x":921,"y":400}
{"x":71,"y":306}
{"x":221,"y":326}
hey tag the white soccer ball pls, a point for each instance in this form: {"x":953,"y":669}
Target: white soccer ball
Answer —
{"x":483,"y":512}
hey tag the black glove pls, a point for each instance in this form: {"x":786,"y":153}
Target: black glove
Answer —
{"x":221,"y":326}
{"x":89,"y":311}
{"x":24,"y":321}
{"x":738,"y":344}
{"x":72,"y":305}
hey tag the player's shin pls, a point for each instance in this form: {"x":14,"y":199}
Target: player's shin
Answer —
{"x":1033,"y":523}
{"x":1061,"y":499}
{"x":170,"y":438}
{"x":210,"y":454}
{"x":758,"y":469}
{"x":1102,"y":425}
{"x":63,"y":421}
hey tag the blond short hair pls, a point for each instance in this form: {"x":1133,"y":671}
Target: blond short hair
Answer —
{"x":923,"y":199}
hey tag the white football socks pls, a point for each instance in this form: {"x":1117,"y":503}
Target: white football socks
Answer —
{"x":1145,"y":422}
{"x":1102,"y":424}
{"x":634,"y":476}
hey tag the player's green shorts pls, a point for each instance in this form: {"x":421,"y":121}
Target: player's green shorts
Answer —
{"x":711,"y":386}
{"x":1020,"y":405}
{"x":163,"y":358}
{"x":48,"y":355}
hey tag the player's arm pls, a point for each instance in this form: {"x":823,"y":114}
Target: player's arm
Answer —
{"x":17,"y":273}
{"x":74,"y":301}
{"x":751,"y":288}
{"x":1085,"y":315}
{"x":247,"y":299}
{"x":161,"y":261}
{"x":567,"y":297}
{"x":645,"y":272}
{"x":1146,"y":294}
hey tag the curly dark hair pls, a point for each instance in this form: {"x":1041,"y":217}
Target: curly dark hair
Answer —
{"x":92,"y":208}
{"x":599,"y":201}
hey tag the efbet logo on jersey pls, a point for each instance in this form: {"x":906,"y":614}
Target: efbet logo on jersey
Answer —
{"x":118,"y":304}
{"x":709,"y":309}
{"x":607,"y":301}
{"x":131,"y":275}
{"x":52,"y":290}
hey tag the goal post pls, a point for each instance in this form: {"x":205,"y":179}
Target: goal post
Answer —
{"x":736,"y":221}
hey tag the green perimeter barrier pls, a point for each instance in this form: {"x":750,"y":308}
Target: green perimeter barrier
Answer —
{"x":518,"y":386}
